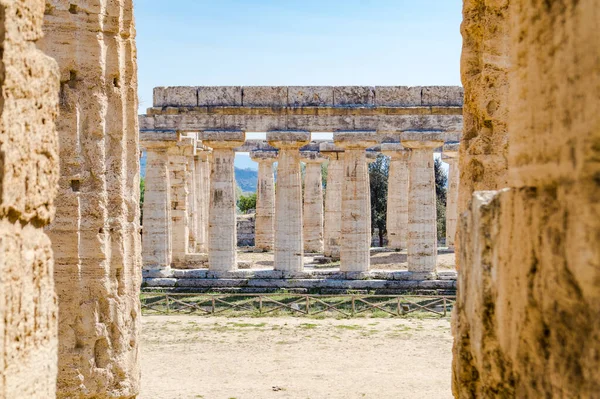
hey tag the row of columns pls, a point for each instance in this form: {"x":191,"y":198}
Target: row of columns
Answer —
{"x":178,"y":220}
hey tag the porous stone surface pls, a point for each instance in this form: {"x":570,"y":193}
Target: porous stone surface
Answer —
{"x":28,"y":180}
{"x":353,"y":96}
{"x":265,"y":96}
{"x":332,"y":228}
{"x":310,"y":96}
{"x":484,"y":72}
{"x":265,"y":199}
{"x":450,"y":156}
{"x":222,"y":236}
{"x":442,"y":96}
{"x":96,"y":233}
{"x":289,"y":243}
{"x":398,"y":96}
{"x":527,"y":320}
{"x":176,"y":96}
{"x":201,"y":169}
{"x":219,"y":96}
{"x":397,"y":202}
{"x":245,"y":231}
{"x":313,"y":202}
{"x":422,"y":224}
{"x":356,"y":201}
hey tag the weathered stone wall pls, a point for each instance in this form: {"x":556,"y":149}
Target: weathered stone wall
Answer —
{"x":484,"y":73}
{"x":95,"y":236}
{"x":527,"y":321}
{"x":28,"y":179}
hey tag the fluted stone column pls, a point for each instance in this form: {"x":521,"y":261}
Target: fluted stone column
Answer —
{"x":222,"y":240}
{"x":422,"y":226}
{"x":156,"y":244}
{"x":206,"y":165}
{"x":180,"y":224}
{"x":313,"y":202}
{"x":264,"y":229}
{"x":356,"y":201}
{"x":450,"y":156}
{"x":332,"y":226}
{"x":397,"y":201}
{"x":191,"y":189}
{"x":202,"y":195}
{"x":288,"y":202}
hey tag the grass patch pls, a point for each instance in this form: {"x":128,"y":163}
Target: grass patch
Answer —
{"x":245,"y":325}
{"x":308,"y":326}
{"x":348,"y":327}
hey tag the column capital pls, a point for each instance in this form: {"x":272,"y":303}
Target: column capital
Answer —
{"x":313,"y":157}
{"x":288,"y":139}
{"x":331,"y":151}
{"x":203,"y":155}
{"x":395,"y":151}
{"x":223,"y":139}
{"x":157,"y":146}
{"x":355,"y":140}
{"x":422,"y":140}
{"x":450,"y":150}
{"x":263,"y":156}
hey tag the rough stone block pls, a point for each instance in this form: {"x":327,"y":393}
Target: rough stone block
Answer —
{"x":176,"y":96}
{"x":354,"y":96}
{"x":265,"y":96}
{"x":442,"y":96}
{"x":398,"y":96}
{"x":310,"y":96}
{"x":220,"y":96}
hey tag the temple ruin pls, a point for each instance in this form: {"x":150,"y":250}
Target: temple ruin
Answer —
{"x":527,"y":211}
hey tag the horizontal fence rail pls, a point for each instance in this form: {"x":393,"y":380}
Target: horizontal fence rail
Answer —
{"x":156,"y":303}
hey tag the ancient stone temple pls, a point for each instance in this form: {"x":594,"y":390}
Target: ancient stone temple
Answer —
{"x":527,"y":321}
{"x":28,"y":178}
{"x":95,"y":235}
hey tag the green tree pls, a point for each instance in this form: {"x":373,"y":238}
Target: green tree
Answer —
{"x":441,"y":181}
{"x":142,"y":192}
{"x":378,"y":178}
{"x":246,"y":202}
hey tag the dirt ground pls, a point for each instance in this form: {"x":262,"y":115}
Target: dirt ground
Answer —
{"x":254,"y":358}
{"x":380,"y":260}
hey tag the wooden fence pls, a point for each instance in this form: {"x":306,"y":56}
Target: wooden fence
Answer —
{"x":296,"y":304}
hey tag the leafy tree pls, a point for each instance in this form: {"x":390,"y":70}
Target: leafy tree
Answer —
{"x":246,"y":202}
{"x":441,"y":180}
{"x":378,"y":177}
{"x":142,"y":192}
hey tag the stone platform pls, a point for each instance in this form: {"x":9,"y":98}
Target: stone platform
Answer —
{"x":309,"y":281}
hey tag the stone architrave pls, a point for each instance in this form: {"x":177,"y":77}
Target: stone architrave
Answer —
{"x":332,"y":226}
{"x":397,"y":200}
{"x":222,"y":236}
{"x":96,"y":235}
{"x":422,"y":215}
{"x":179,"y":156}
{"x":313,"y":202}
{"x":156,"y":248}
{"x":289,"y":244}
{"x":29,"y":175}
{"x":356,"y":200}
{"x":264,"y":235}
{"x":450,"y":156}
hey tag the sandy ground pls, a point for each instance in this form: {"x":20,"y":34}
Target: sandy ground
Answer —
{"x":256,"y":358}
{"x":379,"y":260}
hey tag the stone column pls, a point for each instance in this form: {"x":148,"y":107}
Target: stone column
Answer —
{"x":192,"y":203}
{"x":289,"y":244}
{"x":264,"y":230}
{"x":450,"y":156}
{"x":356,"y":202}
{"x":313,"y":202}
{"x":222,"y":236}
{"x":202,"y":196}
{"x":156,"y":245}
{"x":96,"y":238}
{"x":179,"y":156}
{"x":29,"y":176}
{"x":332,"y":226}
{"x":397,"y":202}
{"x":422,"y":225}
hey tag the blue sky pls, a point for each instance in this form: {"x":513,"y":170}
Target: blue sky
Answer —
{"x":296,"y":42}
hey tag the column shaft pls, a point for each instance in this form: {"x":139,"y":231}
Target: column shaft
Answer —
{"x":201,"y":216}
{"x":422,"y":225}
{"x":265,"y":206}
{"x":397,"y":202}
{"x":313,"y":208}
{"x":192,"y":209}
{"x":332,"y":229}
{"x":156,"y":248}
{"x":452,"y":203}
{"x":289,"y":242}
{"x":356,"y":213}
{"x":178,"y":168}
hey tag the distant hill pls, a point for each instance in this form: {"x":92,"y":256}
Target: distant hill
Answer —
{"x":247,"y":179}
